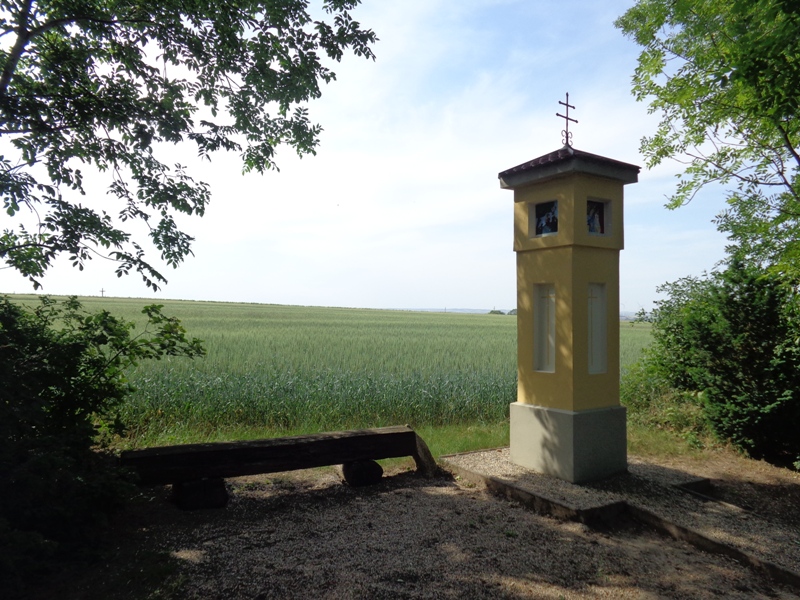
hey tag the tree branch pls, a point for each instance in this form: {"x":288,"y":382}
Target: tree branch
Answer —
{"x":23,"y":37}
{"x":787,"y":142}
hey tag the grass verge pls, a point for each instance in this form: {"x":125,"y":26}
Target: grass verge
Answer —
{"x":643,"y":440}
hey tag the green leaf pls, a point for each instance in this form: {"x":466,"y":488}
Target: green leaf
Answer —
{"x":105,"y":85}
{"x":725,"y":77}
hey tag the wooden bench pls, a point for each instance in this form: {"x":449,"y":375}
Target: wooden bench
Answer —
{"x":197,"y":471}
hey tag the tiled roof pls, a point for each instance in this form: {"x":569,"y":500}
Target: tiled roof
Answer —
{"x":562,"y":154}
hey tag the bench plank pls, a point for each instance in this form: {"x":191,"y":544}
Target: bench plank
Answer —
{"x":192,"y":462}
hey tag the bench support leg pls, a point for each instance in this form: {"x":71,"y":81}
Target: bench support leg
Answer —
{"x":426,"y":464}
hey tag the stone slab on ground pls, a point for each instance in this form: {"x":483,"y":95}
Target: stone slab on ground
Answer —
{"x":652,"y":493}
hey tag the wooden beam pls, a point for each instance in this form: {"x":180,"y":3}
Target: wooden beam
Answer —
{"x":191,"y":462}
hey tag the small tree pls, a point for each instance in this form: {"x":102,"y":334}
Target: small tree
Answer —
{"x":733,"y":339}
{"x":63,"y":374}
{"x":724,"y":76}
{"x":105,"y":86}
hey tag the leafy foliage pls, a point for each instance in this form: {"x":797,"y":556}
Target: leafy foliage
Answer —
{"x":725,"y":77}
{"x":62,"y":378}
{"x":107,"y":85}
{"x":731,"y":341}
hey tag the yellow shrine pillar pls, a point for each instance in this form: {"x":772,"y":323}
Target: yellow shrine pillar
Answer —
{"x":568,"y":231}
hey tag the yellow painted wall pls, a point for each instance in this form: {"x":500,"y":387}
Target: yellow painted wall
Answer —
{"x":572,"y":192}
{"x":571,"y":260}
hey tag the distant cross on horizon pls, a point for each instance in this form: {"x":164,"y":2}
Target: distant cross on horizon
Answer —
{"x":566,"y":134}
{"x":102,"y":293}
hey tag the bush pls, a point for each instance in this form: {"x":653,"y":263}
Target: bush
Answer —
{"x":62,"y":375}
{"x":731,"y":341}
{"x":654,"y":404}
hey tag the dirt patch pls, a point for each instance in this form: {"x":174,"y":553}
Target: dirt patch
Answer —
{"x":307,"y":535}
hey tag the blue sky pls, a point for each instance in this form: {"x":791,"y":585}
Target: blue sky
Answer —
{"x":401,"y":207}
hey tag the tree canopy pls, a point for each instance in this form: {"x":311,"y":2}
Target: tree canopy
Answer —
{"x":725,"y":77}
{"x":106,"y":85}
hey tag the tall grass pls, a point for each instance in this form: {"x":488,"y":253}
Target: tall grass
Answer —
{"x":293,"y":368}
{"x":274,"y":370}
{"x":634,"y":338}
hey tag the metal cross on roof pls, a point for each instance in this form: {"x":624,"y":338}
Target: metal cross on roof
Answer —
{"x":566,"y":134}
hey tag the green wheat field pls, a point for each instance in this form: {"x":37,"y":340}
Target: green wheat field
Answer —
{"x":280,"y":370}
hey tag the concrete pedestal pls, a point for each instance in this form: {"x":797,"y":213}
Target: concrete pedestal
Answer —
{"x":574,"y":446}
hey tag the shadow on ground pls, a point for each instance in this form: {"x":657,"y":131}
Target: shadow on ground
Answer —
{"x":306,"y":535}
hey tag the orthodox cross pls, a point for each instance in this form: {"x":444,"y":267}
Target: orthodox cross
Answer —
{"x":566,"y":134}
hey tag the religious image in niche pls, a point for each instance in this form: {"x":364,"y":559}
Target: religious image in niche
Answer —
{"x":547,"y":218}
{"x":595,"y":216}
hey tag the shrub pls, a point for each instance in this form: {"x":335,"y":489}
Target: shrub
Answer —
{"x":62,"y":375}
{"x":732,"y":342}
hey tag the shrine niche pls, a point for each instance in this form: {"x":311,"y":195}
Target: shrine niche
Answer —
{"x":545,"y":216}
{"x":596,"y":217}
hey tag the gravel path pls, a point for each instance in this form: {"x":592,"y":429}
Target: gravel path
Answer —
{"x":308,"y":535}
{"x":658,"y":493}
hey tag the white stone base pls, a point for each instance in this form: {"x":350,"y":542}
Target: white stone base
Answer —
{"x":575,"y":446}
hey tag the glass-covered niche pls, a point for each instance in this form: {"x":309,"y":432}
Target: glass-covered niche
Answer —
{"x":543,"y":218}
{"x":598,"y":217}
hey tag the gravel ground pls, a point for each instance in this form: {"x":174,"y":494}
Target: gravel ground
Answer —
{"x":655,"y":489}
{"x":308,"y":535}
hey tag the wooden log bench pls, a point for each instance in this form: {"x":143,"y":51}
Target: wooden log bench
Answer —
{"x":197,"y":471}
